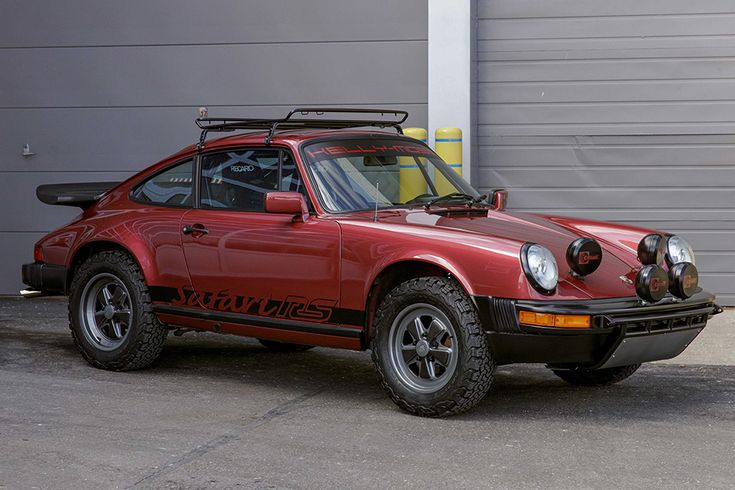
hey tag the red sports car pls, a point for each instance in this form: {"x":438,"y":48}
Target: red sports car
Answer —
{"x":307,"y":231}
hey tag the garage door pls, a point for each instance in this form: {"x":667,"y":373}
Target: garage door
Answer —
{"x":101,"y":90}
{"x":623,"y":111}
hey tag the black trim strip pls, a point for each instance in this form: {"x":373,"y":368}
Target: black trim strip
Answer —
{"x":259,"y":321}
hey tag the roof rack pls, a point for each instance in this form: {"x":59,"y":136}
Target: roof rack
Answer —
{"x":295,"y":120}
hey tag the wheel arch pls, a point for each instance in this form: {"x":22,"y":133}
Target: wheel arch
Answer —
{"x":399,"y":271}
{"x":90,"y":248}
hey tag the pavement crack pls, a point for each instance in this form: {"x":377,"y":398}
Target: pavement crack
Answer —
{"x":277,"y":411}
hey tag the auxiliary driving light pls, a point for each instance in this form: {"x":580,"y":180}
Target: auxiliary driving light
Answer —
{"x":678,"y":250}
{"x":652,"y":249}
{"x":584,"y":256}
{"x":683,"y":279}
{"x":651,"y":283}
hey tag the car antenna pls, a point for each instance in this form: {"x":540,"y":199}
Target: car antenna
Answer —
{"x":377,"y":191}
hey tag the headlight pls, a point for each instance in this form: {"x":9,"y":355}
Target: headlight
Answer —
{"x":540,"y":267}
{"x":678,"y":250}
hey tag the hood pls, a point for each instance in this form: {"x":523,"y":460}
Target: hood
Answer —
{"x":614,"y":277}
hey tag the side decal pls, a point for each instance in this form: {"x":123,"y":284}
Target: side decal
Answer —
{"x":317,"y":310}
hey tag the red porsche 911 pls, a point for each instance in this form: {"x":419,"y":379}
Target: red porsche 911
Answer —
{"x":335,"y":230}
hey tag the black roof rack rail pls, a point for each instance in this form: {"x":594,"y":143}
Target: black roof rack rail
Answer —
{"x":294,"y":120}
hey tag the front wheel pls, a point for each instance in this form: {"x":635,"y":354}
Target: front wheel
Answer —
{"x":429,"y":349}
{"x":597,"y":377}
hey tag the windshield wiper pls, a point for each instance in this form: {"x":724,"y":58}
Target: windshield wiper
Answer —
{"x":454,"y":196}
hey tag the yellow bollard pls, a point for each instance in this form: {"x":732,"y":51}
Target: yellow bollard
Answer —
{"x":412,"y":180}
{"x":449,"y":148}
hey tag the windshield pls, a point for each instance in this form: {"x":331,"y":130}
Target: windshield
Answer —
{"x":353,"y":175}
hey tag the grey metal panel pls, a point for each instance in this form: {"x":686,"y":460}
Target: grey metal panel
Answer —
{"x":630,"y":47}
{"x":607,"y":113}
{"x":606,"y":197}
{"x":511,"y":9}
{"x":599,"y":91}
{"x":608,"y":26}
{"x":101,"y":90}
{"x":622,"y":111}
{"x":622,"y":177}
{"x":264,"y":74}
{"x":604,"y":70}
{"x":147,"y":22}
{"x":120,"y":139}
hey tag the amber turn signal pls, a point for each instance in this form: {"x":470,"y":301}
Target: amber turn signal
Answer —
{"x":552,"y":320}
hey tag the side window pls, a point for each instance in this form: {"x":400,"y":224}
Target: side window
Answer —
{"x":239,"y":179}
{"x":172,"y":187}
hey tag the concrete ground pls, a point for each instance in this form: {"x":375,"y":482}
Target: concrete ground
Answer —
{"x":223,"y":412}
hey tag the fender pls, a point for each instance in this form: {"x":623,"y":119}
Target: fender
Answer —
{"x":153,"y":251}
{"x":427,"y":258}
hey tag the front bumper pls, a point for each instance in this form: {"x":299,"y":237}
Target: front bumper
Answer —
{"x":45,"y":279}
{"x":623,"y":330}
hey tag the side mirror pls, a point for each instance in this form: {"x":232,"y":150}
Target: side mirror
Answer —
{"x":292,"y":203}
{"x":499,"y":200}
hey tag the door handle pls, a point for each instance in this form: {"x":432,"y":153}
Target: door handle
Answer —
{"x":189,"y":229}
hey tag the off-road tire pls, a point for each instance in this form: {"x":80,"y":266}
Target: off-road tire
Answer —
{"x":596,"y":377}
{"x":144,"y":341}
{"x":473,"y":375}
{"x":277,"y":346}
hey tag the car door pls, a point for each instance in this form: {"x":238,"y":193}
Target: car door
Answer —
{"x":245,"y":261}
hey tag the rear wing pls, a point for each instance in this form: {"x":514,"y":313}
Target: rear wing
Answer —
{"x":81,"y":195}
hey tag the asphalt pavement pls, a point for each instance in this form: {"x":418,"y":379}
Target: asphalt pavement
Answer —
{"x":220,"y":412}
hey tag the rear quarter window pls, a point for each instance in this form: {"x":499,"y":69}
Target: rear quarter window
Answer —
{"x":171,"y":187}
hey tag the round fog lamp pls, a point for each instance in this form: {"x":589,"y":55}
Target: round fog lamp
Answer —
{"x":651,"y":283}
{"x":584,"y":256}
{"x":683,"y":279}
{"x":651,"y":249}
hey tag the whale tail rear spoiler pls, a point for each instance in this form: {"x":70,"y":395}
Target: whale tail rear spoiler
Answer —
{"x":82,"y":195}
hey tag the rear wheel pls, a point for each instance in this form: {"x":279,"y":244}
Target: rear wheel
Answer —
{"x":277,"y":346}
{"x":597,"y":377}
{"x":110,"y":314}
{"x":429,"y":349}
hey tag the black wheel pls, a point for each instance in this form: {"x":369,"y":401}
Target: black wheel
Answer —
{"x":110,"y":314}
{"x":596,"y":377}
{"x":429,"y":348}
{"x":277,"y":346}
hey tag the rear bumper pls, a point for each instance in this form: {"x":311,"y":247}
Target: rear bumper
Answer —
{"x":623,"y":330}
{"x":47,"y":278}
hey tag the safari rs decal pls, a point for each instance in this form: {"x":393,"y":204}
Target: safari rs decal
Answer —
{"x":317,"y":310}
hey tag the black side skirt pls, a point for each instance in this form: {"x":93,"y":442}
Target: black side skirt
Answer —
{"x":259,"y":321}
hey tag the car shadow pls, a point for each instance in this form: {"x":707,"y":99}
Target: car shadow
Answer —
{"x":655,"y":392}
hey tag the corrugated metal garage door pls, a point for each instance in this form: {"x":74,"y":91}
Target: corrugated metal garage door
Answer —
{"x":100,"y":90}
{"x":623,"y":111}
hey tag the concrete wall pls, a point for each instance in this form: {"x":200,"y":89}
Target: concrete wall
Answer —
{"x":102,"y":89}
{"x":621,"y":110}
